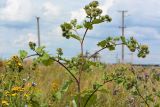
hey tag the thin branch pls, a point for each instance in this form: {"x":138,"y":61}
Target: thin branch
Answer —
{"x":31,"y":56}
{"x":96,"y":91}
{"x":58,"y":63}
{"x":132,"y":70}
{"x":96,"y":52}
{"x":145,"y":101}
{"x":82,"y":65}
{"x":76,"y":32}
{"x":66,"y":69}
{"x":100,"y":51}
{"x":86,"y":32}
{"x":84,"y":35}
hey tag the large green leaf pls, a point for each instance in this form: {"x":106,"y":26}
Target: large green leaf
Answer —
{"x":79,"y":26}
{"x":74,"y":103}
{"x":102,"y":43}
{"x":40,"y":50}
{"x":75,"y":37}
{"x":66,"y":85}
{"x":96,"y":21}
{"x":23,"y":54}
{"x":84,"y":97}
{"x":58,"y":95}
{"x":88,"y":25}
{"x":123,"y":39}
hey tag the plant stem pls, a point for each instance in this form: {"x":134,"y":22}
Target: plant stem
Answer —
{"x":79,"y":93}
{"x":100,"y":51}
{"x":67,"y":70}
{"x":81,"y":66}
{"x":31,"y":56}
{"x":58,"y":63}
{"x":77,"y":80}
{"x":96,"y":52}
{"x":145,"y":101}
{"x":96,"y":91}
{"x":85,"y":33}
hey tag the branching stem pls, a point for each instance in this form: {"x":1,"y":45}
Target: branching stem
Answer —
{"x":96,"y":91}
{"x":100,"y":51}
{"x":58,"y":63}
{"x":145,"y":101}
{"x":139,"y":93}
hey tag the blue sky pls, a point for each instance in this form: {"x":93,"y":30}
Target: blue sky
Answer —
{"x":18,"y":26}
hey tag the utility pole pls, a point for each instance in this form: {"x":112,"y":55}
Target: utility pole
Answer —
{"x":122,"y":28}
{"x":38,"y":32}
{"x":132,"y":57}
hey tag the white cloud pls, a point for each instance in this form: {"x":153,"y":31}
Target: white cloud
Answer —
{"x":54,"y":36}
{"x":78,"y":14}
{"x":16,"y":10}
{"x":25,"y":10}
{"x":137,"y":8}
{"x":106,"y":6}
{"x":143,"y":33}
{"x":50,"y":10}
{"x":25,"y":39}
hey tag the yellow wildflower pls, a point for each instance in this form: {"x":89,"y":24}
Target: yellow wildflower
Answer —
{"x":21,"y":90}
{"x":14,"y":94}
{"x":19,"y":64}
{"x":7,"y":93}
{"x":16,"y":88}
{"x":26,"y":95}
{"x":15,"y":58}
{"x":54,"y":86}
{"x":5,"y":103}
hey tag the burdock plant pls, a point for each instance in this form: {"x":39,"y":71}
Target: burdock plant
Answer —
{"x":77,"y":65}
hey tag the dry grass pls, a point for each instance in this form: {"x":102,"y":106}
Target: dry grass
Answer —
{"x":46,"y":76}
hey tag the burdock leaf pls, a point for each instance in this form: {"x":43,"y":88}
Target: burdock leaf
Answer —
{"x":23,"y":54}
{"x":102,"y":43}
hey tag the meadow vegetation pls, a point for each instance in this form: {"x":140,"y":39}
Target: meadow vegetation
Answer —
{"x":47,"y":80}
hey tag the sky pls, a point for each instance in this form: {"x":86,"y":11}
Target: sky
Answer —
{"x":18,"y":26}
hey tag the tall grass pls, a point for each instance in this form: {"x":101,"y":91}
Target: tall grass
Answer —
{"x":115,"y":96}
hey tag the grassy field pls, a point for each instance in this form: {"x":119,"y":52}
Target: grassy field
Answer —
{"x":81,"y":81}
{"x":50,"y":79}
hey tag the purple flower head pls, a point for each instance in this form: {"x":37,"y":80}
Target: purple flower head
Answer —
{"x":34,"y":84}
{"x":146,"y":75}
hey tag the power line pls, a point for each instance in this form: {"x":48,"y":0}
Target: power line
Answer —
{"x":122,"y":28}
